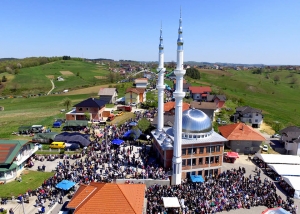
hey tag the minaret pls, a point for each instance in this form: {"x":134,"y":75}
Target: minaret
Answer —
{"x":179,"y":95}
{"x":160,"y":86}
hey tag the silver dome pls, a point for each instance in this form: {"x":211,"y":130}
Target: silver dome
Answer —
{"x":195,"y":121}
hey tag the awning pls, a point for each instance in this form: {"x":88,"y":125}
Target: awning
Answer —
{"x":170,"y":202}
{"x":65,"y":185}
{"x":11,"y":167}
{"x":197,"y":178}
{"x":117,"y":141}
{"x":285,"y":169}
{"x":232,"y":154}
{"x":294,"y":182}
{"x":277,"y":210}
{"x":276,"y":158}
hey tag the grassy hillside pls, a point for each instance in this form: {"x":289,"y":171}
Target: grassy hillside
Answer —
{"x":34,"y":80}
{"x":32,"y":111}
{"x":279,"y":99}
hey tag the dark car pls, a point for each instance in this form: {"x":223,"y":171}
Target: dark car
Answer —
{"x":73,"y":147}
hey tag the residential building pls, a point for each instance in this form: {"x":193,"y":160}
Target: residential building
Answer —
{"x":209,"y":108}
{"x":135,"y":95}
{"x":92,"y":106}
{"x":290,"y":136}
{"x":246,"y":114}
{"x":102,"y":198}
{"x":218,"y":99}
{"x":109,"y":94}
{"x":141,"y":82}
{"x":242,"y":138}
{"x":169,"y":107}
{"x":14,"y":157}
{"x":199,"y":93}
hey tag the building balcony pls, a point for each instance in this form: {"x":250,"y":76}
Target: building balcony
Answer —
{"x":22,"y":158}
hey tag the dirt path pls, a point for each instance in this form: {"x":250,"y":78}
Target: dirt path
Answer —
{"x":53,"y":86}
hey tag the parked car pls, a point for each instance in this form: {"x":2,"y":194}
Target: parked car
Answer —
{"x":120,"y":113}
{"x":133,"y":104}
{"x":73,"y":147}
{"x":265,"y":148}
{"x":64,"y":209}
{"x":276,"y":136}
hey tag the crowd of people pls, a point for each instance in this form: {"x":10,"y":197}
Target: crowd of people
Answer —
{"x":232,"y":189}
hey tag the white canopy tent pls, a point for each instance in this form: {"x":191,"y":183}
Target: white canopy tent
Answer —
{"x":286,"y":169}
{"x":170,"y":202}
{"x":294,"y":182}
{"x":279,"y":159}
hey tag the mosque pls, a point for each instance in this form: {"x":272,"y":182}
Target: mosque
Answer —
{"x":191,"y":146}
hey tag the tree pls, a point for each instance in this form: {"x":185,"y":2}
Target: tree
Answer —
{"x":4,"y":79}
{"x":293,"y":81}
{"x":276,"y":78}
{"x":143,"y":124}
{"x":87,"y":115}
{"x":193,"y":73}
{"x":67,"y":102}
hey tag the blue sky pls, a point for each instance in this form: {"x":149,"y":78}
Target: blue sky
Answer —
{"x":232,"y":31}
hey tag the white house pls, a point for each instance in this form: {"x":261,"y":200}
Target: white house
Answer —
{"x":290,"y":136}
{"x":141,"y":82}
{"x":13,"y":158}
{"x":246,"y":114}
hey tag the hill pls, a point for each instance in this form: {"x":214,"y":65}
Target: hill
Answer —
{"x":276,"y":92}
{"x":36,"y":80}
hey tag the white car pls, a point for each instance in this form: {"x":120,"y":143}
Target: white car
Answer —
{"x":265,"y":148}
{"x":276,"y":136}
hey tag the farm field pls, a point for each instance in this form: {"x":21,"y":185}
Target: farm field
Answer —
{"x":279,"y":100}
{"x":76,"y":74}
{"x":32,"y":111}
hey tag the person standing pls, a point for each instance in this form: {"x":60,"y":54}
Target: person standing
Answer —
{"x":11,"y":211}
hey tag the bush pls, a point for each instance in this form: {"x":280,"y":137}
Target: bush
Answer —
{"x":62,"y":152}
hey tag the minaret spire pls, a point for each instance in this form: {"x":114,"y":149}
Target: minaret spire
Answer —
{"x":179,"y":95}
{"x":160,"y":85}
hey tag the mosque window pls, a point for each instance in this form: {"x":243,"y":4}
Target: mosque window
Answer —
{"x":194,"y":161}
{"x":200,"y":161}
{"x":208,"y":149}
{"x":194,"y":136}
{"x":207,"y":160}
{"x":189,"y":162}
{"x":201,"y":150}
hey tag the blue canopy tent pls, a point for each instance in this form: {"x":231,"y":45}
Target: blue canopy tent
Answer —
{"x":197,"y":178}
{"x":133,"y":123}
{"x":117,"y":141}
{"x":132,"y":134}
{"x":65,"y":185}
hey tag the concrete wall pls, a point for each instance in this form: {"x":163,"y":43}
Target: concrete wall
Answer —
{"x":244,"y":146}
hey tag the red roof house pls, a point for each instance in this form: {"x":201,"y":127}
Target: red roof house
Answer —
{"x":169,"y":107}
{"x":242,"y":138}
{"x":103,"y":198}
{"x":199,"y":92}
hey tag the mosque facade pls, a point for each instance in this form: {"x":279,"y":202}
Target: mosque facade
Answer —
{"x":191,"y":146}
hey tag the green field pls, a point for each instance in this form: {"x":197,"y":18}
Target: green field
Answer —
{"x":35,"y":110}
{"x":34,"y":80}
{"x":30,"y":180}
{"x":279,"y":100}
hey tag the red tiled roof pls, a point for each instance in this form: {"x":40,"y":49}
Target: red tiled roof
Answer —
{"x":135,"y":90}
{"x":240,"y":131}
{"x":102,"y":198}
{"x":199,"y":89}
{"x":170,"y":105}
